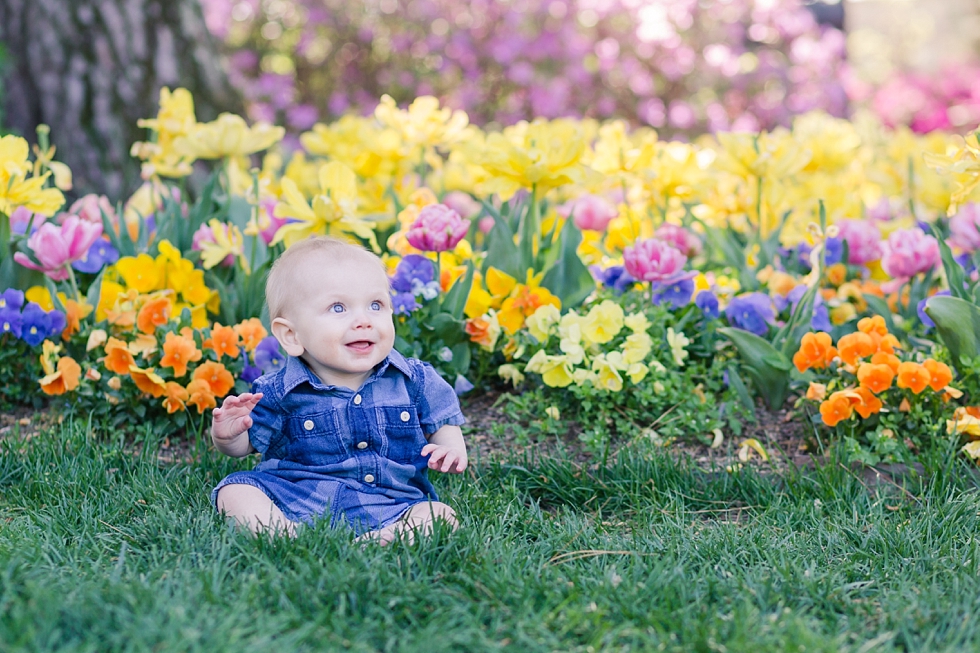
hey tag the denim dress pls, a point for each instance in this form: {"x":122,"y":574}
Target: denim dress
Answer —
{"x":350,"y":456}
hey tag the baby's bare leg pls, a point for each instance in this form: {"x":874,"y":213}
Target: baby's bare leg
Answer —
{"x":253,"y":509}
{"x":416,"y":521}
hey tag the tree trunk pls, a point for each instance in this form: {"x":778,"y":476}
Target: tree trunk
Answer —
{"x":91,"y":68}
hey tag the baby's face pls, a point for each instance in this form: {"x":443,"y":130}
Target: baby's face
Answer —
{"x":341,"y":314}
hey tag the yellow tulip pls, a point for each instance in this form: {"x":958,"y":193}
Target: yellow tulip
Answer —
{"x":227,"y":137}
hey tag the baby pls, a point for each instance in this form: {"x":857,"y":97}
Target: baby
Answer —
{"x":347,"y":428}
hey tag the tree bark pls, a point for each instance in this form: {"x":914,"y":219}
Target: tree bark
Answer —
{"x":91,"y":68}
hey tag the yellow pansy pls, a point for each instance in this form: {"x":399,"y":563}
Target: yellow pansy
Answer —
{"x":678,"y":342}
{"x":637,"y":347}
{"x":540,"y":323}
{"x":603,"y":322}
{"x":607,"y":373}
{"x":555,"y":371}
{"x":40,"y":296}
{"x":139,"y":272}
{"x":637,"y":322}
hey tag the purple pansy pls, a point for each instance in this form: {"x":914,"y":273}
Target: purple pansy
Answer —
{"x":708,"y":303}
{"x":268,"y":356}
{"x":752,"y":311}
{"x":99,"y":254}
{"x":676,"y":294}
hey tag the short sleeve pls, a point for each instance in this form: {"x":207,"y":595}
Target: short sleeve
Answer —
{"x":266,"y":429}
{"x":436,"y":401}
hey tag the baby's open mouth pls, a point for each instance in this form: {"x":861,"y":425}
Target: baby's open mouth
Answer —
{"x":360,"y":345}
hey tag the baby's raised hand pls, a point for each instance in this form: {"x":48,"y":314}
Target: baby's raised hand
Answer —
{"x":233,"y":418}
{"x":444,"y":458}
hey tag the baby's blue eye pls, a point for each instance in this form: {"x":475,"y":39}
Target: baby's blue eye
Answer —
{"x":376,"y":306}
{"x":337,"y":308}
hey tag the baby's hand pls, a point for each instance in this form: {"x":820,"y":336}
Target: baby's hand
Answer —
{"x":233,"y":418}
{"x":452,"y":460}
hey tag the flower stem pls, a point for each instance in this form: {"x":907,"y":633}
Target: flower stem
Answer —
{"x":74,"y":285}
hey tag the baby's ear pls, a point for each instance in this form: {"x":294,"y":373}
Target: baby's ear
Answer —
{"x":284,"y":332}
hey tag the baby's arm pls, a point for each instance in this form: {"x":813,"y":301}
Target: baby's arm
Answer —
{"x":229,"y":430}
{"x":448,"y":450}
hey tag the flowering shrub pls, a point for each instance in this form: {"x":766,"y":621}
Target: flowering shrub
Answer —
{"x":678,"y":66}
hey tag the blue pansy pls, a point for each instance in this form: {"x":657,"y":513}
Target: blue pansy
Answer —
{"x":833,"y":250}
{"x":101,"y":253}
{"x":35,"y":324}
{"x":10,"y":321}
{"x":614,"y":277}
{"x":708,"y":303}
{"x":403,"y":303}
{"x":12,"y":299}
{"x":920,"y":310}
{"x":249,"y":372}
{"x":462,"y":385}
{"x":752,"y":311}
{"x":268,"y":356}
{"x":56,"y":322}
{"x":677,"y":294}
{"x":410,"y":269}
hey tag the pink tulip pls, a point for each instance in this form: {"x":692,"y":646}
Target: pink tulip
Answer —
{"x":462,"y":203}
{"x":685,"y":241}
{"x":964,"y":228}
{"x":655,"y":260}
{"x":589,"y":212}
{"x":57,"y":247}
{"x":909,"y":252}
{"x":20,"y":218}
{"x":91,"y":207}
{"x":438,"y":228}
{"x":863,"y":240}
{"x":485,"y":225}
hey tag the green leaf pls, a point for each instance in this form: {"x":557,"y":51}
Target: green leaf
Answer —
{"x":764,"y":363}
{"x":461,"y":357}
{"x":502,"y":253}
{"x":880,"y":307}
{"x":455,"y":300}
{"x":568,"y":279}
{"x":958,"y":325}
{"x":446,"y":327}
{"x":954,"y":271}
{"x":735,"y":381}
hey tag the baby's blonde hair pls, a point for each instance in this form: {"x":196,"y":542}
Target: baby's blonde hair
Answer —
{"x":280,"y":276}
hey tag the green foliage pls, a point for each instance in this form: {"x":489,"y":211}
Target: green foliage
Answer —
{"x":21,"y":371}
{"x":435,"y":333}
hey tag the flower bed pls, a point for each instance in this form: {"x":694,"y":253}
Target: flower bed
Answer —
{"x":645,"y":290}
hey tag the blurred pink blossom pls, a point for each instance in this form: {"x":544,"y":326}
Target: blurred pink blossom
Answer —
{"x":462,"y":203}
{"x":589,"y":212}
{"x":91,"y":207}
{"x":56,"y":247}
{"x":438,"y":228}
{"x":964,"y":228}
{"x":909,"y":252}
{"x":863,"y":240}
{"x":21,"y":217}
{"x":654,"y":260}
{"x":687,"y":242}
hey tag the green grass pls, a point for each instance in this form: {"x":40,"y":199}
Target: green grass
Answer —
{"x":101,"y":550}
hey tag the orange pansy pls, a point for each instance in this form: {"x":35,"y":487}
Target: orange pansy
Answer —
{"x":251,"y":332}
{"x":867,"y":404}
{"x":939,"y":374}
{"x":816,"y":391}
{"x":816,"y":350}
{"x":223,"y":340}
{"x":176,"y":398}
{"x":178,"y":351}
{"x":876,"y":378}
{"x":153,"y":314}
{"x":836,"y":408}
{"x":75,"y":312}
{"x":913,"y":376}
{"x":854,"y":346}
{"x":216,"y":376}
{"x":64,"y":380}
{"x":478,"y":329}
{"x":873,"y":324}
{"x":117,"y":358}
{"x":147,"y":381}
{"x":836,"y":273}
{"x":200,"y":395}
{"x":891,"y":360}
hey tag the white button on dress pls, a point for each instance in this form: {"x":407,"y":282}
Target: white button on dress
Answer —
{"x":405,"y":416}
{"x":369,"y":478}
{"x":362,"y":445}
{"x":308,"y":425}
{"x":357,"y":400}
